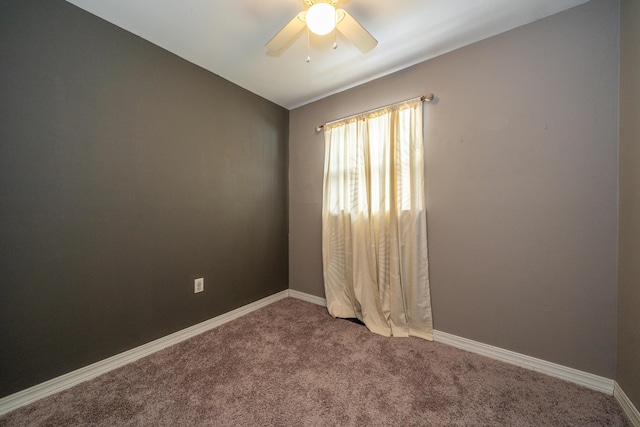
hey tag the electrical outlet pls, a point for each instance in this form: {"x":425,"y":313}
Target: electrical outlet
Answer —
{"x":198,"y":285}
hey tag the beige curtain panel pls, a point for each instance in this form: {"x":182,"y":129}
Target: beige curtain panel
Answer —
{"x":374,"y":226}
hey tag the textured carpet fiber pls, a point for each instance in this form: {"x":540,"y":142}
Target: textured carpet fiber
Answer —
{"x":291,"y":364}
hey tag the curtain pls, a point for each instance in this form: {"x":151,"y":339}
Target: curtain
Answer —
{"x":374,"y":226}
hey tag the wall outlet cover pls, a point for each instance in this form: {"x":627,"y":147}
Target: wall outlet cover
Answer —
{"x":198,"y":285}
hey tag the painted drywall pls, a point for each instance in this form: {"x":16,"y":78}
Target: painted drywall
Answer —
{"x":628,"y":374}
{"x":125,"y":173}
{"x":521,"y":170}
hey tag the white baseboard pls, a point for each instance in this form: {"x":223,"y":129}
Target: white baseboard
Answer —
{"x":586,"y":379}
{"x":306,"y":297}
{"x":24,"y":397}
{"x":627,"y":406}
{"x":582,"y":378}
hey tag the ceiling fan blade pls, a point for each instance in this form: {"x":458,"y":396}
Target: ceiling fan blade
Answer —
{"x":286,"y":34}
{"x":354,"y":32}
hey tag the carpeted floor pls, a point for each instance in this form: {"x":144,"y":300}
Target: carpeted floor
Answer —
{"x":291,"y":364}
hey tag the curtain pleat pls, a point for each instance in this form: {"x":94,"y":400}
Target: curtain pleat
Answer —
{"x":374,"y":225}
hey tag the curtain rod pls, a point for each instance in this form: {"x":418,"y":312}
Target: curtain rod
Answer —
{"x":424,"y":98}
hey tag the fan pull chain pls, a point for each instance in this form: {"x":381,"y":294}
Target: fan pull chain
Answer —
{"x":308,"y":54}
{"x":335,"y":30}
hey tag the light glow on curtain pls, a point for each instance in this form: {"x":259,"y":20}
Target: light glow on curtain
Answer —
{"x":374,"y":227}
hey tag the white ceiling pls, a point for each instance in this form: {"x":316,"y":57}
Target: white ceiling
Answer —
{"x":227,"y":37}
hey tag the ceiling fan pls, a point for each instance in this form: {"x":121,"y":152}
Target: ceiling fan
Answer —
{"x":321,"y":18}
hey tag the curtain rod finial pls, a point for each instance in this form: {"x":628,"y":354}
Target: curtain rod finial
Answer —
{"x":428,"y":97}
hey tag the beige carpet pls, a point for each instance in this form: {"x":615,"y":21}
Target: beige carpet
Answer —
{"x":291,"y":364}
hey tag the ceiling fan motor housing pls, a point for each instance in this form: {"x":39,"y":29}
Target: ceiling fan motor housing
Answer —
{"x":312,"y":2}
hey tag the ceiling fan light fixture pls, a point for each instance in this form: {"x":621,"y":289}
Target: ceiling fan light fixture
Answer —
{"x":321,"y":18}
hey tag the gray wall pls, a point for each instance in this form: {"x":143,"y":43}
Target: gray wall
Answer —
{"x":125,"y":173}
{"x":521,"y":168}
{"x":628,"y":374}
